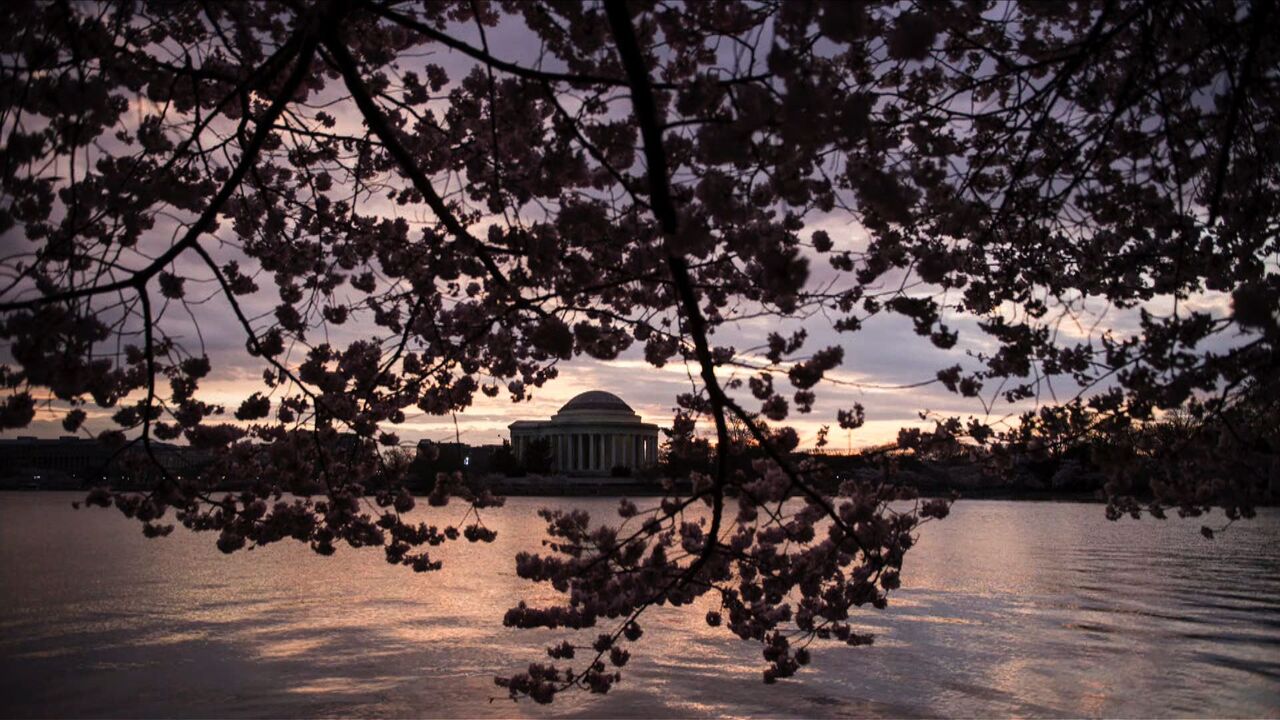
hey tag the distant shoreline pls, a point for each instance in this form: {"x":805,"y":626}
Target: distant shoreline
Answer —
{"x":1025,"y":496}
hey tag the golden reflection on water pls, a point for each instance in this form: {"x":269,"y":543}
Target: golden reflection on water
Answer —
{"x":1095,"y":693}
{"x":1007,"y":609}
{"x":270,"y":648}
{"x":345,"y":685}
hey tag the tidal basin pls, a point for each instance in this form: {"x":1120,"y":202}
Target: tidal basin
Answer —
{"x":1007,"y":609}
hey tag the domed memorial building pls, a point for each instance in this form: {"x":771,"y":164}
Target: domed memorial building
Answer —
{"x":592,"y":434}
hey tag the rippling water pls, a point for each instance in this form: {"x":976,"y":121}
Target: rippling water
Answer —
{"x":1008,"y":609}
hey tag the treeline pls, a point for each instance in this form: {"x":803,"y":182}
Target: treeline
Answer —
{"x":1063,"y":451}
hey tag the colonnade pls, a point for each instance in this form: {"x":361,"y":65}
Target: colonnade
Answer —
{"x":594,"y":451}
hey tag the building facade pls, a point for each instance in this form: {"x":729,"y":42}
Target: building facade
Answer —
{"x":592,"y":434}
{"x":71,"y":462}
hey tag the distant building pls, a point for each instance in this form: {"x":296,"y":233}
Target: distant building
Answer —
{"x":451,"y":456}
{"x":591,"y":434}
{"x":71,"y":462}
{"x":479,"y":458}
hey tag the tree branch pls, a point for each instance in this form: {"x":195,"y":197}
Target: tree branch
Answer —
{"x":249,"y":155}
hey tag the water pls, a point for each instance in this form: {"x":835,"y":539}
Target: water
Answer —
{"x":1008,"y":609}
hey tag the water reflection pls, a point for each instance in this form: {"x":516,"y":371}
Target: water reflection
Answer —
{"x":1010,"y":609}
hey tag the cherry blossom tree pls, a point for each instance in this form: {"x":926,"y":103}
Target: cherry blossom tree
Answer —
{"x":395,"y":216}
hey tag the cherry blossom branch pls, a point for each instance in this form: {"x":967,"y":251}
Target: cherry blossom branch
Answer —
{"x":248,"y":157}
